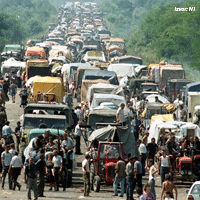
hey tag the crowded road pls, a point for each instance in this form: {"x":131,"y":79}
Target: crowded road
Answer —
{"x":75,"y":192}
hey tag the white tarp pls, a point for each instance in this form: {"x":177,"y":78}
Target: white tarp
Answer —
{"x":12,"y":63}
{"x":100,"y":88}
{"x":151,"y":98}
{"x":100,"y":98}
{"x":123,"y":70}
{"x":154,"y":130}
{"x":31,"y":80}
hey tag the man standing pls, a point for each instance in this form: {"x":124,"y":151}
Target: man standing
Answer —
{"x":119,"y":177}
{"x":86,"y":174}
{"x":130,"y":178}
{"x":30,"y":177}
{"x":120,"y":117}
{"x":6,"y":130}
{"x":58,"y":166}
{"x":136,"y":124}
{"x":15,"y":169}
{"x":5,"y":160}
{"x":67,"y":147}
{"x":41,"y":165}
{"x":169,"y":186}
{"x":143,"y":152}
{"x":152,"y":148}
{"x":3,"y":118}
{"x":152,"y":171}
{"x":77,"y":134}
{"x":164,"y":165}
{"x":137,"y":173}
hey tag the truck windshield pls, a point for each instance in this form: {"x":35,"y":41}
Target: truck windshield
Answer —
{"x":111,"y":150}
{"x":42,"y":71}
{"x":50,"y":123}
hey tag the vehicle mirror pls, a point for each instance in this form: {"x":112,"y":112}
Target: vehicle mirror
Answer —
{"x":190,"y":115}
{"x":187,"y":191}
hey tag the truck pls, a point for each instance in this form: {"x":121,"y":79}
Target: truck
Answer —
{"x":37,"y":67}
{"x":193,"y":105}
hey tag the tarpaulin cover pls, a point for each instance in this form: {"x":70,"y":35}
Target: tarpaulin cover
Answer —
{"x":122,"y":70}
{"x":49,"y":85}
{"x":124,"y":135}
{"x":80,"y":73}
{"x":99,"y":98}
{"x":86,"y":84}
{"x":100,"y":88}
{"x":164,"y":118}
{"x":101,"y":74}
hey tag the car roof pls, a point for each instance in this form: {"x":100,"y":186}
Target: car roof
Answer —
{"x":43,"y":130}
{"x":45,"y":116}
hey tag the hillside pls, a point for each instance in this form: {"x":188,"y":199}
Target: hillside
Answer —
{"x":21,"y":19}
{"x":154,"y":31}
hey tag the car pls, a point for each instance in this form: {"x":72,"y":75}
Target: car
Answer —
{"x":194,"y":191}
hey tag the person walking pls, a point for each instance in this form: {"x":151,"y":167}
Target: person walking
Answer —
{"x":67,"y":147}
{"x":13,"y":88}
{"x":164,"y":165}
{"x":129,"y":178}
{"x":137,"y":173}
{"x":49,"y":171}
{"x":143,"y":152}
{"x":19,"y":82}
{"x":23,"y":95}
{"x":169,"y":186}
{"x":57,"y":165}
{"x":119,"y":176}
{"x":6,"y":130}
{"x":152,"y":171}
{"x":15,"y":169}
{"x":41,"y":166}
{"x":77,"y":133}
{"x":120,"y":117}
{"x":5,"y":161}
{"x":6,"y":89}
{"x":30,"y":178}
{"x":86,"y":174}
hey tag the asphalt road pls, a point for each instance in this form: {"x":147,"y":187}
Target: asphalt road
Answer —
{"x":14,"y":112}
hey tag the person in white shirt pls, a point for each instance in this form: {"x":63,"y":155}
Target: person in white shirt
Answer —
{"x":152,"y":171}
{"x":67,"y":147}
{"x":143,"y":154}
{"x":120,"y":117}
{"x":77,"y":133}
{"x":6,"y":130}
{"x":86,"y":174}
{"x":15,"y":169}
{"x":58,"y":165}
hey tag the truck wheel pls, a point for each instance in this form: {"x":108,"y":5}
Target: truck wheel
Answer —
{"x":69,"y":178}
{"x":96,"y":184}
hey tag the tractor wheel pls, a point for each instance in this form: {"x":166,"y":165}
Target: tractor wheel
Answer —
{"x":96,"y":184}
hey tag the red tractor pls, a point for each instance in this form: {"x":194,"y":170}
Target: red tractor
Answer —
{"x":103,"y":163}
{"x":186,"y":168}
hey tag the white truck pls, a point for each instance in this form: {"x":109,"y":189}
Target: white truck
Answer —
{"x":193,"y":106}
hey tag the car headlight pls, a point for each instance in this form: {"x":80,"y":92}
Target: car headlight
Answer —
{"x":189,"y":173}
{"x":182,"y":172}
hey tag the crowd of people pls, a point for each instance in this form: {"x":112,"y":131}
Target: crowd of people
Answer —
{"x":52,"y":157}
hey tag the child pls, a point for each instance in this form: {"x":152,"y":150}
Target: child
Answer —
{"x":168,"y":196}
{"x":140,"y":194}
